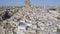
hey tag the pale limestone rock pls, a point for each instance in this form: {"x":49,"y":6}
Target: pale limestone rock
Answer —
{"x":1,"y":30}
{"x":29,"y":20}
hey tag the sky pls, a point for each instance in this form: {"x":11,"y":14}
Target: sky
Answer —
{"x":33,"y":2}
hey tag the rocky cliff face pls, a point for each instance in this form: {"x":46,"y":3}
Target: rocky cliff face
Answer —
{"x":29,"y":21}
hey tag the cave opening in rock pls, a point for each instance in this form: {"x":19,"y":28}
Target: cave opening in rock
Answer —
{"x":6,"y":15}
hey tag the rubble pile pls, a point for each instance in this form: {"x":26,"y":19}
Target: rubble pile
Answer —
{"x":30,"y":20}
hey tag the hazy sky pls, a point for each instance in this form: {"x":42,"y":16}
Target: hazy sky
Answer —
{"x":33,"y":2}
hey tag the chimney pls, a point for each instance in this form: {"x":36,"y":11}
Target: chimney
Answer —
{"x":27,"y":3}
